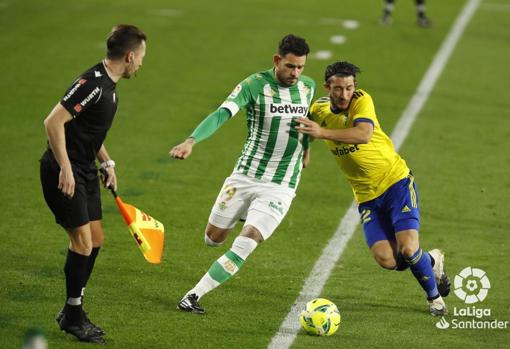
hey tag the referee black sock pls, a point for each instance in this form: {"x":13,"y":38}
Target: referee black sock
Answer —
{"x":90,"y":265}
{"x":75,"y":270}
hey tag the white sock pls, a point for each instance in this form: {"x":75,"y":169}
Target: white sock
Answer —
{"x":205,"y":285}
{"x":74,"y":301}
{"x":389,"y":7}
{"x":243,"y":246}
{"x":224,"y":267}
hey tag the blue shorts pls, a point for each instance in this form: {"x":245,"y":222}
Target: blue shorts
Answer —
{"x":395,"y":210}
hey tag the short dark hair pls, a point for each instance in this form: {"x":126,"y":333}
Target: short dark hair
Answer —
{"x":293,"y":44}
{"x":122,"y":39}
{"x":341,"y":69}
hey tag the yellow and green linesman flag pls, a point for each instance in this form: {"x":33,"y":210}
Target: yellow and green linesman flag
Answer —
{"x":148,"y":233}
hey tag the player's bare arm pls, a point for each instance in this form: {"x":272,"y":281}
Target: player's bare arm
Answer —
{"x":359,"y":134}
{"x":183,"y":150}
{"x":54,"y":125}
{"x":108,"y":165}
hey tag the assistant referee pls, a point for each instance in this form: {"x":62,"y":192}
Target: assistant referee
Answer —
{"x":76,"y":129}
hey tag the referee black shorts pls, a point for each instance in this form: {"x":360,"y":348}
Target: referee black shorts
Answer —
{"x":83,"y":207}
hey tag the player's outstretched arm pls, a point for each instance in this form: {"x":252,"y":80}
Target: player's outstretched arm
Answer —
{"x":206,"y":128}
{"x":183,"y":150}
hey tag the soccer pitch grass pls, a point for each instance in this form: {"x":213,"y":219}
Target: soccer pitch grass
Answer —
{"x":197,"y":52}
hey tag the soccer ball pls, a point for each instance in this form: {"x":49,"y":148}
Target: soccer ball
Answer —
{"x":320,"y":317}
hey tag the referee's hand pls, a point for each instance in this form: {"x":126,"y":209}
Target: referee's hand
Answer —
{"x":66,"y":182}
{"x":109,"y":178}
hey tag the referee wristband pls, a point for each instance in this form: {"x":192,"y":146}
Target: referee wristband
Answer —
{"x":107,"y":163}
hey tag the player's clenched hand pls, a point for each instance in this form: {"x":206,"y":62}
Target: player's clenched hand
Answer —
{"x":66,"y":182}
{"x":183,"y":150}
{"x":309,"y":127}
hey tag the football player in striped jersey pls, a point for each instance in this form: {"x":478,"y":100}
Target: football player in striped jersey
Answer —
{"x":264,"y":180}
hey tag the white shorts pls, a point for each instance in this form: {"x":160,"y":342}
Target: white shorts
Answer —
{"x":260,"y":204}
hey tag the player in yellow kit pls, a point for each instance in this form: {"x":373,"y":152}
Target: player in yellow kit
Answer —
{"x":382,"y":183}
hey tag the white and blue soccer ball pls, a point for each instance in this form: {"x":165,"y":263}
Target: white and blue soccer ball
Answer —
{"x":320,"y":317}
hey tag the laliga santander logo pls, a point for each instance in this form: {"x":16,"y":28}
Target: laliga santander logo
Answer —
{"x":472,"y":285}
{"x":442,"y":324}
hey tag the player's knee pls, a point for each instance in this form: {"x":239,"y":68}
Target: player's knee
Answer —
{"x":408,"y":242}
{"x":383,"y":253}
{"x":386,"y":263}
{"x":96,"y":233}
{"x":81,"y":242}
{"x":97,"y":241}
{"x":82,"y":247}
{"x":408,"y":250}
{"x":210,"y":242}
{"x":385,"y":258}
{"x":215,"y":236}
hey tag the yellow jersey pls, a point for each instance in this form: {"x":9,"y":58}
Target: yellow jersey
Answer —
{"x":370,"y":168}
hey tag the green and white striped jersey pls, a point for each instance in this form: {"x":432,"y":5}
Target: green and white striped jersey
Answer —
{"x":274,"y":149}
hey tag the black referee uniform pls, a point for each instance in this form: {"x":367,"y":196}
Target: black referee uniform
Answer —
{"x":92,"y":102}
{"x":77,"y":127}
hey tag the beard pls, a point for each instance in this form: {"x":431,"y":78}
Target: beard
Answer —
{"x":129,"y":72}
{"x":286,"y":82}
{"x":128,"y":75}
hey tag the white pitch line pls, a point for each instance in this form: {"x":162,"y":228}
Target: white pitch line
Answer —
{"x":322,"y":269}
{"x":429,"y":80}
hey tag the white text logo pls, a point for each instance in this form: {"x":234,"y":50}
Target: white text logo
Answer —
{"x":472,"y":286}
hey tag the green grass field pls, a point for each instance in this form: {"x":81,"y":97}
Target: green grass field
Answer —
{"x":197,"y":52}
